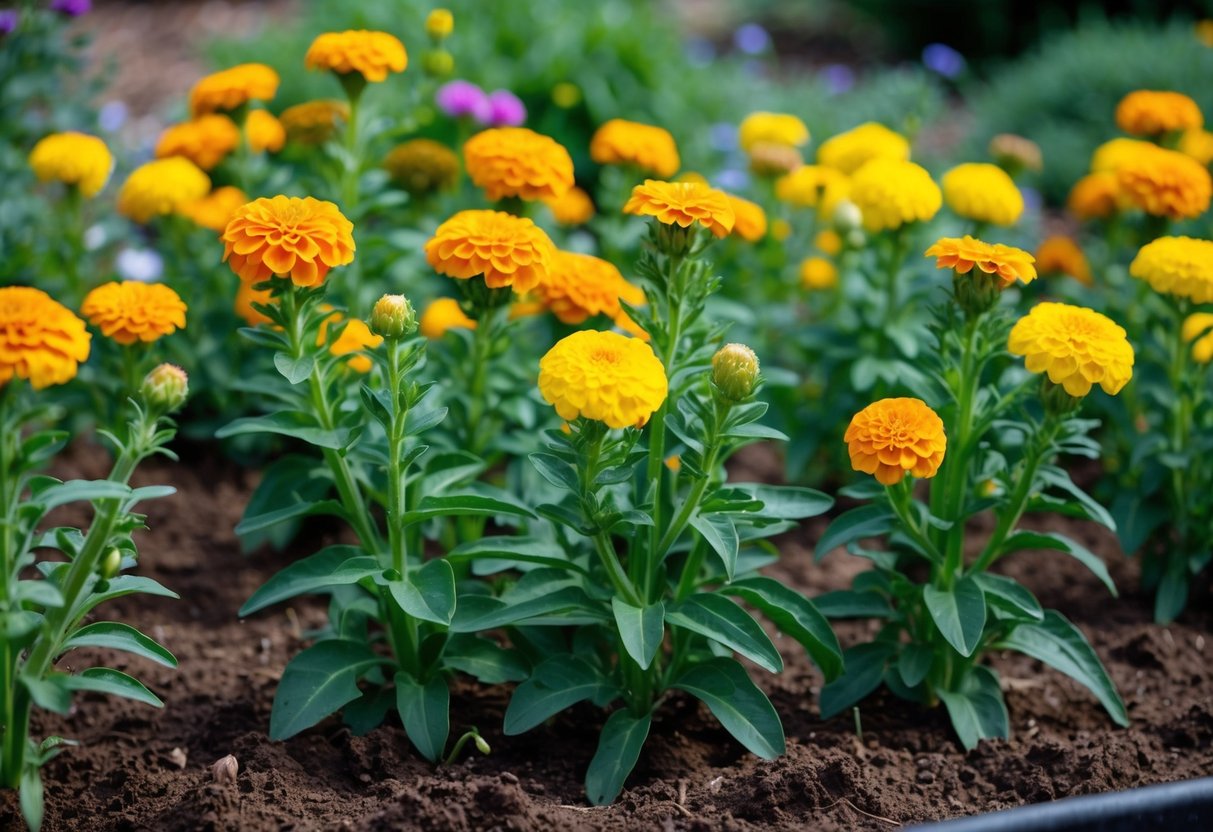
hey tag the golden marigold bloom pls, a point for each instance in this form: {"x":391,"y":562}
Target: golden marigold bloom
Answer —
{"x":164,"y":186}
{"x":1095,"y":196}
{"x":771,"y":128}
{"x":962,"y":254}
{"x":813,"y":186}
{"x":828,"y":242}
{"x":620,"y":142}
{"x":205,"y":141}
{"x":1061,"y":255}
{"x":1198,"y":330}
{"x":439,"y":24}
{"x":515,"y":161}
{"x":1152,"y":113}
{"x":983,"y":192}
{"x":890,"y":194}
{"x":288,"y":237}
{"x":850,"y":151}
{"x":1198,"y":144}
{"x":441,"y":315}
{"x":1112,"y":155}
{"x":1075,"y":346}
{"x":817,"y":274}
{"x":133,"y":311}
{"x":422,"y":166}
{"x":892,"y":437}
{"x":1016,"y":152}
{"x":603,"y":376}
{"x":246,"y":295}
{"x":355,"y":337}
{"x":574,"y":208}
{"x":314,"y":122}
{"x":40,"y":339}
{"x":73,"y":159}
{"x":1166,"y":183}
{"x":506,"y":250}
{"x":215,"y":209}
{"x":749,"y":220}
{"x":372,"y":54}
{"x":579,"y":286}
{"x":264,"y":132}
{"x":233,"y":88}
{"x":1180,"y":266}
{"x":682,"y":204}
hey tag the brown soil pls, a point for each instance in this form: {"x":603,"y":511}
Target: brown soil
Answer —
{"x":145,"y":769}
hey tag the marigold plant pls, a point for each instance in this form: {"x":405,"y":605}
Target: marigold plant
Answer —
{"x":983,"y":193}
{"x":164,"y":186}
{"x":233,"y":88}
{"x":517,"y":162}
{"x":130,"y":311}
{"x":287,"y":237}
{"x":850,"y":151}
{"x":643,"y":146}
{"x":1153,"y":113}
{"x":372,"y":55}
{"x":205,"y":140}
{"x":75,"y":159}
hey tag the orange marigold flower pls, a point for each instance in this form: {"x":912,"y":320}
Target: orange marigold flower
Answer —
{"x":355,"y":337}
{"x":264,"y":132}
{"x":73,"y":159}
{"x":163,"y":186}
{"x":962,"y":254}
{"x":232,"y":88}
{"x":314,"y":122}
{"x":288,"y":237}
{"x":603,"y":376}
{"x":1061,"y":255}
{"x":828,"y":242}
{"x":1152,"y":113}
{"x":1165,"y":183}
{"x":372,"y":54}
{"x":515,"y":161}
{"x":1095,"y":196}
{"x":205,"y":141}
{"x":40,"y":339}
{"x":749,"y":220}
{"x":246,"y":295}
{"x":579,"y":285}
{"x":133,"y":311}
{"x":574,"y":208}
{"x":1198,"y":144}
{"x":215,"y":210}
{"x":818,"y":274}
{"x":683,"y":204}
{"x":621,"y":142}
{"x":1112,"y":154}
{"x":1012,"y":152}
{"x":442,"y":315}
{"x":892,"y":437}
{"x":506,"y":250}
{"x":1076,"y":347}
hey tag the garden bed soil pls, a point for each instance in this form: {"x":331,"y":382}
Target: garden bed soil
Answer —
{"x":143,"y":769}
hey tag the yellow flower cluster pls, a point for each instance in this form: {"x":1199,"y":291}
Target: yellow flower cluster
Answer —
{"x":233,"y":88}
{"x":962,"y":254}
{"x":1165,"y":183}
{"x":894,"y":437}
{"x":165,"y":186}
{"x":850,"y":151}
{"x":205,"y":140}
{"x":1198,"y":331}
{"x":983,"y":192}
{"x":1061,"y":255}
{"x":818,"y":273}
{"x":288,"y":237}
{"x":73,"y":159}
{"x":422,"y":166}
{"x":891,"y":193}
{"x":506,"y":250}
{"x":1198,"y":144}
{"x":371,"y":54}
{"x":814,"y":186}
{"x":1180,"y":266}
{"x":133,"y":311}
{"x":1075,"y":346}
{"x":1153,"y":113}
{"x":578,"y":286}
{"x":683,"y":204}
{"x":40,"y":339}
{"x":355,"y":337}
{"x":1112,"y":155}
{"x":779,"y":129}
{"x":603,"y":376}
{"x":621,"y":142}
{"x":517,"y":162}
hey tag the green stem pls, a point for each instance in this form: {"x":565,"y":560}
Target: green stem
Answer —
{"x":691,"y":503}
{"x":955,"y":476}
{"x":897,"y":253}
{"x":353,"y":161}
{"x":483,"y":336}
{"x":1181,"y":428}
{"x":900,"y":501}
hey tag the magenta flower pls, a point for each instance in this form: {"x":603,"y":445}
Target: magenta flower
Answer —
{"x":72,"y":8}
{"x":462,"y":99}
{"x":9,"y":18}
{"x":505,"y":109}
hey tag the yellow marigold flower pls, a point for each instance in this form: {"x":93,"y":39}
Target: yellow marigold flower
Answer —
{"x":444,"y":314}
{"x":314,"y":122}
{"x":40,"y":339}
{"x":1152,"y":113}
{"x":828,"y":242}
{"x":515,"y":161}
{"x":215,"y":210}
{"x":818,"y":273}
{"x":749,"y":220}
{"x":891,"y":193}
{"x":205,"y":141}
{"x":73,"y":159}
{"x":371,"y":54}
{"x":1180,"y":266}
{"x":620,"y":142}
{"x":892,"y":437}
{"x":233,"y":88}
{"x":850,"y":151}
{"x":264,"y":132}
{"x":772,"y":128}
{"x":355,"y":337}
{"x":1112,"y":155}
{"x":693,"y":176}
{"x":506,"y":250}
{"x":1166,"y":183}
{"x":579,"y":286}
{"x":574,"y":208}
{"x":813,"y":186}
{"x":603,"y":376}
{"x":246,"y":295}
{"x":1016,"y":152}
{"x":1095,"y":196}
{"x":133,"y":311}
{"x":163,"y":186}
{"x":1061,"y":255}
{"x":1198,"y":330}
{"x":962,"y":254}
{"x":682,"y":204}
{"x":1198,"y":144}
{"x":983,"y":192}
{"x":1076,"y":347}
{"x":439,"y":24}
{"x":288,"y":237}
{"x":422,"y":166}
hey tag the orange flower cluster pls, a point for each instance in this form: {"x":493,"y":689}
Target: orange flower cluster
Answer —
{"x":506,"y":250}
{"x":893,"y":437}
{"x":683,"y":204}
{"x":132,"y":311}
{"x":517,"y":162}
{"x":288,"y":237}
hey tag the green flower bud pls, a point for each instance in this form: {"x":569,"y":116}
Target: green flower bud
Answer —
{"x":165,"y":388}
{"x":481,"y":745}
{"x":110,"y":564}
{"x":735,"y":372}
{"x":674,"y":240}
{"x":393,"y":317}
{"x":976,"y":292}
{"x":438,"y":62}
{"x":1056,"y":400}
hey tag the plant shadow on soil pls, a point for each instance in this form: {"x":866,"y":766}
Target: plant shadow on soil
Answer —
{"x":139,"y":768}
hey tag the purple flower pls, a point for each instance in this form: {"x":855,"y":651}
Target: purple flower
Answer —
{"x":752,"y":39}
{"x":724,"y":136}
{"x":505,"y":109}
{"x":943,"y":59}
{"x":838,"y":78}
{"x":9,"y":18}
{"x":732,"y":179}
{"x":461,"y":99}
{"x":72,"y":8}
{"x":112,"y":116}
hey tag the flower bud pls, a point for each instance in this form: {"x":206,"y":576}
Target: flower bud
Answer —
{"x":481,"y":745}
{"x":393,"y":317}
{"x":674,"y":240}
{"x":165,"y":388}
{"x":976,"y":292}
{"x":438,"y":63}
{"x":439,"y":24}
{"x":110,"y":564}
{"x":735,"y":372}
{"x":1056,"y":400}
{"x":847,"y":216}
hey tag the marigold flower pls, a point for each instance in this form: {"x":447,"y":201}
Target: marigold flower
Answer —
{"x":1180,"y":266}
{"x":1015,"y":152}
{"x":682,"y":204}
{"x":891,"y":193}
{"x":314,"y":122}
{"x":73,"y":159}
{"x":574,"y":208}
{"x":983,"y":192}
{"x":371,"y":54}
{"x":1152,"y":113}
{"x":133,"y":311}
{"x":246,"y":295}
{"x":1198,"y":330}
{"x":515,"y":161}
{"x":233,"y":88}
{"x":163,"y":186}
{"x":1061,"y":255}
{"x":422,"y":166}
{"x":771,"y":128}
{"x":288,"y":237}
{"x":828,"y":242}
{"x":355,"y":337}
{"x":215,"y":210}
{"x":892,"y":437}
{"x":603,"y":376}
{"x":962,"y":254}
{"x":1095,"y":196}
{"x":506,"y":250}
{"x":264,"y":132}
{"x":1198,"y":144}
{"x":749,"y":220}
{"x":442,"y":315}
{"x":850,"y":151}
{"x":579,"y":286}
{"x":205,"y":141}
{"x":818,"y":273}
{"x":40,"y":339}
{"x":1166,"y":183}
{"x":620,"y":142}
{"x":1112,"y":154}
{"x":813,"y":186}
{"x":439,"y":24}
{"x":1075,"y":346}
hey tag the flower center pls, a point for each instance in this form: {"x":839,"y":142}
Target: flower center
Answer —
{"x":603,"y":355}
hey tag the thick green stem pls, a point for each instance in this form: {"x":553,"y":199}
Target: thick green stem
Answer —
{"x":691,"y":503}
{"x":483,"y":337}
{"x":1038,"y":450}
{"x":955,"y":483}
{"x":353,"y":161}
{"x":1181,"y":429}
{"x":900,"y":501}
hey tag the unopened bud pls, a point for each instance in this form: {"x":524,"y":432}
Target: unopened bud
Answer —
{"x":439,"y":24}
{"x":735,"y":372}
{"x":165,"y":388}
{"x":438,"y":63}
{"x":224,"y":771}
{"x":393,"y":317}
{"x":110,"y":564}
{"x":481,"y":745}
{"x":1056,"y":400}
{"x":847,"y":216}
